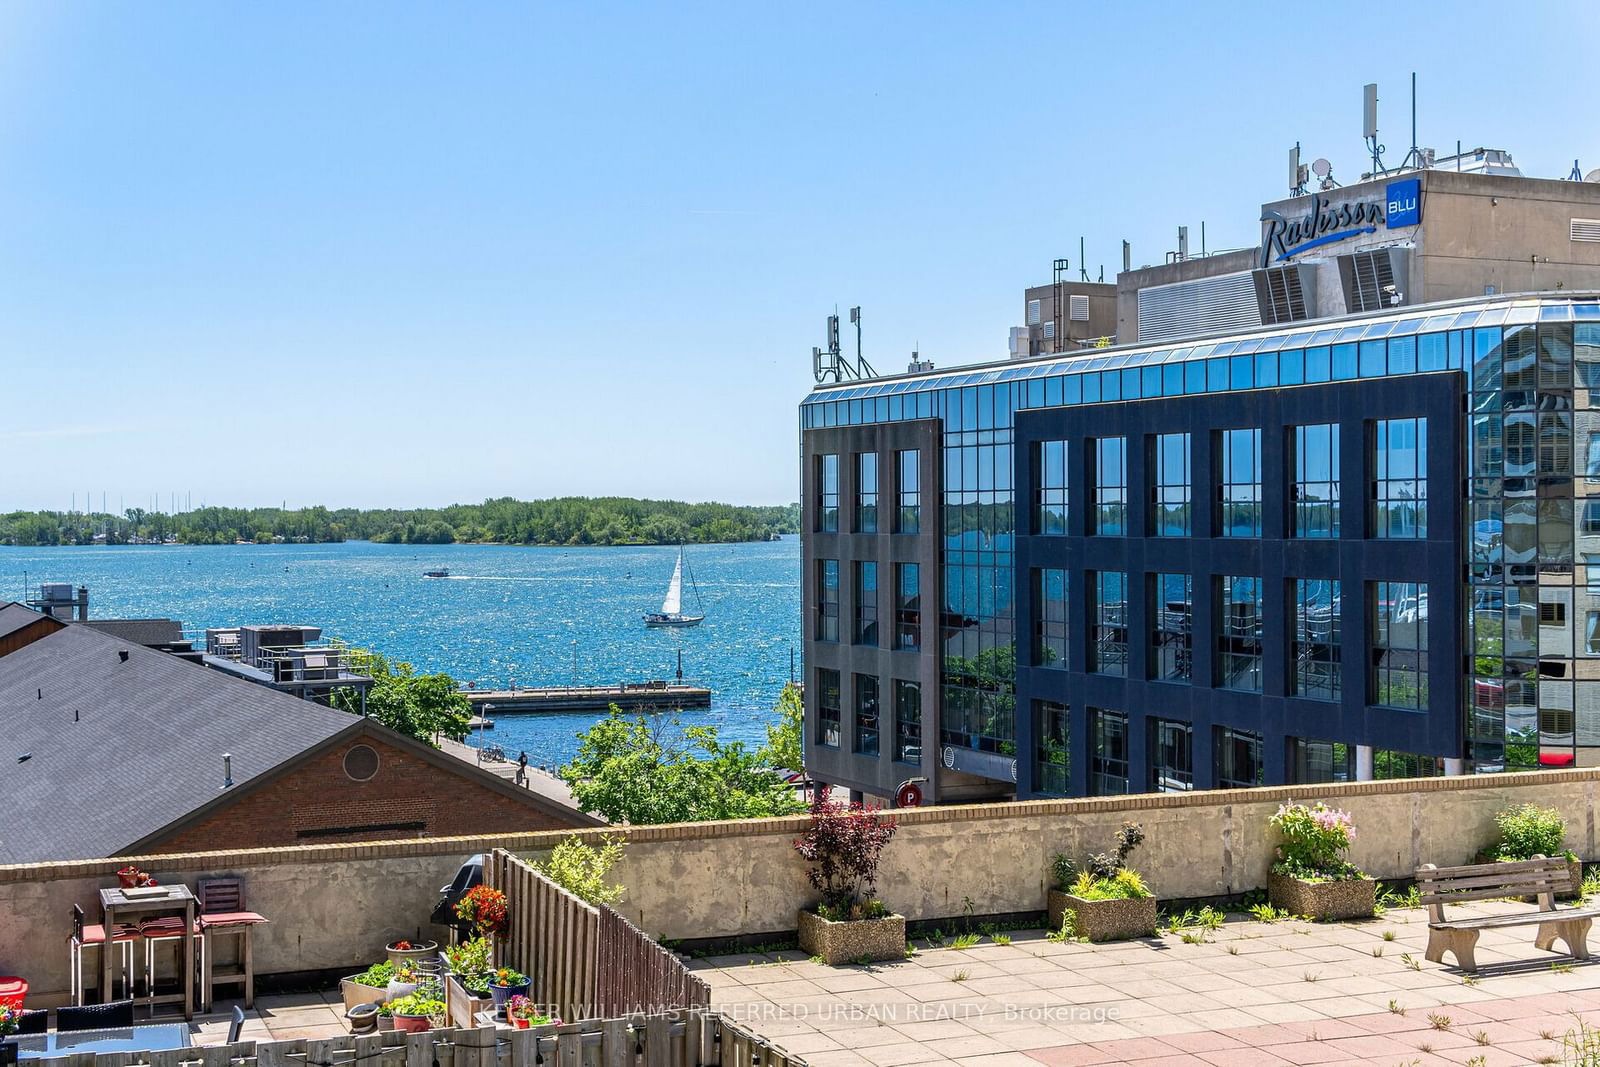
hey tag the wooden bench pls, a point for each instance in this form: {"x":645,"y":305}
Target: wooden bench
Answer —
{"x":1539,"y":877}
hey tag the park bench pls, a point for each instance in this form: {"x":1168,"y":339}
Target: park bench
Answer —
{"x":1539,"y":877}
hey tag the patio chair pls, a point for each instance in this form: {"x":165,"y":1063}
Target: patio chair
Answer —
{"x":93,"y":936}
{"x":168,"y":929}
{"x":36,"y":1021}
{"x":237,"y":1024}
{"x":223,"y":914}
{"x":116,"y":1014}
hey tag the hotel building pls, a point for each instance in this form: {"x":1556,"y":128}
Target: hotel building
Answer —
{"x":1328,"y":509}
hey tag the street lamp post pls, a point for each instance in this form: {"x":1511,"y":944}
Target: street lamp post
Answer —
{"x":483,"y":717}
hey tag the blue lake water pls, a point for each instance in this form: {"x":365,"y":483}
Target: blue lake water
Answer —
{"x":539,"y":616}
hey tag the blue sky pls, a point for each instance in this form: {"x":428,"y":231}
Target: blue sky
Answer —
{"x":405,"y":254}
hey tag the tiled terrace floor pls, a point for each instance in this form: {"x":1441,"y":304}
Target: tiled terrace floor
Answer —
{"x":1290,"y":992}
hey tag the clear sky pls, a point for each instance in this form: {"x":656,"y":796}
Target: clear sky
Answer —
{"x":405,"y":254}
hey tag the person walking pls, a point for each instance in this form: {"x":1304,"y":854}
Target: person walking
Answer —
{"x":522,"y":768}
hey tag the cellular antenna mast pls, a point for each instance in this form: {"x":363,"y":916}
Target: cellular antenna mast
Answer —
{"x":1414,"y":157}
{"x":1369,"y":126}
{"x":831,"y":363}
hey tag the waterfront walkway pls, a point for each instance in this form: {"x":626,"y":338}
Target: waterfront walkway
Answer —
{"x":540,"y":781}
{"x":1289,"y":992}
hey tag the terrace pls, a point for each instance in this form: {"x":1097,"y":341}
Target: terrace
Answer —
{"x":1245,"y":992}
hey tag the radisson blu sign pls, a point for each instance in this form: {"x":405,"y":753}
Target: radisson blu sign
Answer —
{"x":1328,"y":222}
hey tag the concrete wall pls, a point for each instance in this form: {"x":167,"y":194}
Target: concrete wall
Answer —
{"x":335,"y":906}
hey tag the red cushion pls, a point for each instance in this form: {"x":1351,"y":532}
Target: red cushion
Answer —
{"x":232,"y":918}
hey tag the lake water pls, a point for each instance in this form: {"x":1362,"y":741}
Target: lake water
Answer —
{"x":539,"y":616}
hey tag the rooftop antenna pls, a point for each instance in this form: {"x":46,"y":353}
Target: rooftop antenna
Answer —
{"x":1183,"y":243}
{"x":1127,"y":256}
{"x":862,"y":366}
{"x":1083,"y":265}
{"x":1576,"y":175}
{"x":1414,"y":157}
{"x":1298,"y":174}
{"x":1324,"y":171}
{"x":1369,"y":127}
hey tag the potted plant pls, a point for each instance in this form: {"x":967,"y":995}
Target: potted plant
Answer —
{"x":402,"y":950}
{"x":415,"y":1011}
{"x":484,"y":909}
{"x":1311,"y":877}
{"x":1109,"y":901}
{"x":843,"y":845}
{"x":407,"y":979}
{"x":371,"y":986}
{"x":1528,"y":830}
{"x":467,"y":987}
{"x":10,"y":1019}
{"x":505,"y":983}
{"x":524,"y":1013}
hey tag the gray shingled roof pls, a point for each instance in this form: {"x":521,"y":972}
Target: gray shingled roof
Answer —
{"x":146,"y":748}
{"x":14,"y":616}
{"x":148,"y":632}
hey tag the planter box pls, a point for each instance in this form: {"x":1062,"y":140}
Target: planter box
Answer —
{"x":1351,"y":898}
{"x":355,"y":993}
{"x":462,"y":1008}
{"x":1104,"y":920}
{"x":842,"y":942}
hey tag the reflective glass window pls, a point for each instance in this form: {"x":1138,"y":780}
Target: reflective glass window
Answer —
{"x":909,"y":513}
{"x":866,"y":732}
{"x":1240,"y":483}
{"x":1050,"y":622}
{"x":907,"y":722}
{"x":1399,"y":645}
{"x":827,"y":707}
{"x":1316,"y":672}
{"x":1314,"y":495}
{"x":1171,"y":756}
{"x":1169,"y":485}
{"x":1399,"y":505}
{"x":1050,"y":503}
{"x":1172,"y":627}
{"x":867,"y":492}
{"x":1108,"y":752}
{"x":1110,"y":462}
{"x":1239,"y":641}
{"x":1108,"y":622}
{"x":866,"y":597}
{"x":908,"y":607}
{"x":1051,"y":749}
{"x":828,"y":493}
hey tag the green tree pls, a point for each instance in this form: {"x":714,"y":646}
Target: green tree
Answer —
{"x":581,"y":869}
{"x":784,"y":737}
{"x":420,"y":705}
{"x":631,"y":769}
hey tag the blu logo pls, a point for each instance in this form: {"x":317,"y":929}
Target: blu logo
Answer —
{"x":1403,"y":203}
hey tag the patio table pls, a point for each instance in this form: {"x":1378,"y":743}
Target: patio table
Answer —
{"x":153,"y":1037}
{"x":179,"y":900}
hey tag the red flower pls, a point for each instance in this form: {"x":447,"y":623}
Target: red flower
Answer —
{"x":485,"y":909}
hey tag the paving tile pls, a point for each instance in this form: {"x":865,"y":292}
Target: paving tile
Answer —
{"x":1202,"y":1041}
{"x":1306,"y":1052}
{"x":1136,"y":1048}
{"x":997,"y":1059}
{"x":1241,"y":1057}
{"x":900,"y":1053}
{"x":1370,"y":1047}
{"x":1069,"y":1056}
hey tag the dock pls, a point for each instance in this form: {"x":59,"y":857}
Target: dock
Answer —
{"x":640,"y":696}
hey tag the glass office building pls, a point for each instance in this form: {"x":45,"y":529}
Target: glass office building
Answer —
{"x":1366,"y":546}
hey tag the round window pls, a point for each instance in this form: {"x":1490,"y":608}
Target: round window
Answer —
{"x":361,"y":763}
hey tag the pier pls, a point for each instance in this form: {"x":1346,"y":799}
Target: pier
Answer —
{"x":640,"y":696}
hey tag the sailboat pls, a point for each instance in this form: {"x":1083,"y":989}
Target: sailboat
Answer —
{"x":671,"y":613}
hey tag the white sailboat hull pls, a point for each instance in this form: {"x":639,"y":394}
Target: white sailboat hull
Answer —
{"x":656,"y":618}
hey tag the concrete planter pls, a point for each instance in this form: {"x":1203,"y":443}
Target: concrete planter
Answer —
{"x":1104,"y":920}
{"x":842,"y":942}
{"x":1350,"y":898}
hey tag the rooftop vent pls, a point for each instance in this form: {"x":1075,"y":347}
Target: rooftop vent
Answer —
{"x":1586,"y":229}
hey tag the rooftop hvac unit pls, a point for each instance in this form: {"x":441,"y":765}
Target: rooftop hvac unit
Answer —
{"x":1286,"y":294}
{"x":1375,"y":279}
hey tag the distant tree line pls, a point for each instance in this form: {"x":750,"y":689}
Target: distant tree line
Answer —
{"x":561,"y":521}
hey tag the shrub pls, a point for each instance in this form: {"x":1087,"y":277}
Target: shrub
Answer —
{"x":581,"y":869}
{"x":843,"y":845}
{"x":1107,"y":864}
{"x":377,"y":975}
{"x":1528,"y":830}
{"x":1063,"y":871}
{"x":1315,"y":838}
{"x":469,"y":957}
{"x":1124,"y":885}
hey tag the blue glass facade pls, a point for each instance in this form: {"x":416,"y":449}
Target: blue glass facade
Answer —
{"x":1489,"y":446}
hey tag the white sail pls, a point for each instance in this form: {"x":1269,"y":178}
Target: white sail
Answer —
{"x":673,"y":603}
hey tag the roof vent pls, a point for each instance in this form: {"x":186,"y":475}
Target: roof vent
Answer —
{"x":122,"y":654}
{"x":227,"y":770}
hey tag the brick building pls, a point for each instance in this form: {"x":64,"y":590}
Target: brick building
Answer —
{"x":115,"y":749}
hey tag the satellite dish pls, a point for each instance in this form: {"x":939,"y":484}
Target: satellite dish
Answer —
{"x":1322,"y":168}
{"x":1593,"y":175}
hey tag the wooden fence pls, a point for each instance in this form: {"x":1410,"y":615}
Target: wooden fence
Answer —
{"x":588,"y":962}
{"x":674,"y":1039}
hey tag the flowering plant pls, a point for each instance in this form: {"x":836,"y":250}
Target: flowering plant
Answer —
{"x":10,"y":1019}
{"x":1315,"y":838}
{"x":130,"y":877}
{"x":485,"y":909}
{"x":506,"y":977}
{"x":401,"y":946}
{"x":469,"y":957}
